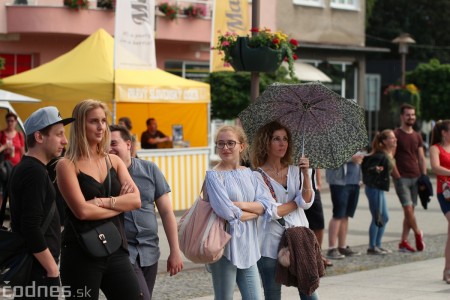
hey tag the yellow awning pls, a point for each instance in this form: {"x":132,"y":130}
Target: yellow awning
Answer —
{"x":87,"y":72}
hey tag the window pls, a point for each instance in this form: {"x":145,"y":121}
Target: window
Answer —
{"x":189,"y":70}
{"x":343,"y":76}
{"x":317,"y":3}
{"x":16,"y":63}
{"x":345,"y":4}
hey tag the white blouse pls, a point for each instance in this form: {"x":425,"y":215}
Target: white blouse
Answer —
{"x":269,"y":234}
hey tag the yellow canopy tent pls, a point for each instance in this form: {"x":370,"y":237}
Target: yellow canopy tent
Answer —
{"x":87,"y":72}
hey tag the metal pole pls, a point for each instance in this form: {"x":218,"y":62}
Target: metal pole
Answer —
{"x":403,"y":68}
{"x":254,"y":83}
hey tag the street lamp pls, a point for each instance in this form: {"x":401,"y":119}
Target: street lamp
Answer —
{"x":403,"y":40}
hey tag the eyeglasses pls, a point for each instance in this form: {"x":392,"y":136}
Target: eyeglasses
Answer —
{"x":229,"y":144}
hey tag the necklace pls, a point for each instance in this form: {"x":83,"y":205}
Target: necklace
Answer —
{"x":99,"y":165}
{"x":279,"y":173}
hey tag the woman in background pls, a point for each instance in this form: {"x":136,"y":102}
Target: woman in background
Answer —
{"x":376,"y":168}
{"x":97,"y":188}
{"x":12,"y":148}
{"x":440,"y":165}
{"x":12,"y":142}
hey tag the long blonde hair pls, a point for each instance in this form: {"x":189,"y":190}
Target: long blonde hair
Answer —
{"x":378,"y":144}
{"x":78,"y":144}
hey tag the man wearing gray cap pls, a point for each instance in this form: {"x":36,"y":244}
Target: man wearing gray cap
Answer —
{"x":33,"y":198}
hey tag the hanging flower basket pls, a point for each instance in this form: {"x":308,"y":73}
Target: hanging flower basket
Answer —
{"x":398,"y":95}
{"x":263,"y":51}
{"x":262,"y":59}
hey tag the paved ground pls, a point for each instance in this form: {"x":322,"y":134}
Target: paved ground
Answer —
{"x":394,"y":276}
{"x":361,"y":277}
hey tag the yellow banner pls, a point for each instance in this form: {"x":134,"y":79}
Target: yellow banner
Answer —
{"x":229,"y":16}
{"x":148,"y":94}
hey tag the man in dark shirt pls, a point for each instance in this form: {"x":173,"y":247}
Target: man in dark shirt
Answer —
{"x":410,"y":164}
{"x":32,"y":196}
{"x":152,"y":136}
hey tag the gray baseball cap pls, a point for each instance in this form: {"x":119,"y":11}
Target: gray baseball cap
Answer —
{"x":44,"y":117}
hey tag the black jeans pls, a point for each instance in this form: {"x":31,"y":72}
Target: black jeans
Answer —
{"x":83,"y":276}
{"x":40,"y":286}
{"x":146,"y":278}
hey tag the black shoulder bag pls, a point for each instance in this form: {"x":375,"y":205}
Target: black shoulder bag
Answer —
{"x":102,"y":240}
{"x":15,"y":259}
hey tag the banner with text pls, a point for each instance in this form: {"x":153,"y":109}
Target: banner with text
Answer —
{"x":134,"y":46}
{"x":229,"y":16}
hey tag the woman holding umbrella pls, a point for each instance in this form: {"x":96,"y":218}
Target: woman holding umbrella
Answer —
{"x":291,"y":187}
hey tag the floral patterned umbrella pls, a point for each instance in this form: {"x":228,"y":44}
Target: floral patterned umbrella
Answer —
{"x":325,"y":127}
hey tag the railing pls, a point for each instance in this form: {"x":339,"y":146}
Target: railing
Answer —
{"x":185,"y":8}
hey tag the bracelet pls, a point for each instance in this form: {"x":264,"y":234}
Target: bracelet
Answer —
{"x":113,"y":201}
{"x":305,"y":190}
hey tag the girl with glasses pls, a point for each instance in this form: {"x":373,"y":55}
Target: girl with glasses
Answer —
{"x":271,"y":157}
{"x":236,"y":196}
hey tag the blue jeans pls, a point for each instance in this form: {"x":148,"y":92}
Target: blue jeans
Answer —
{"x":344,"y":199}
{"x":272,"y":289}
{"x":374,"y":196}
{"x":225,"y":275}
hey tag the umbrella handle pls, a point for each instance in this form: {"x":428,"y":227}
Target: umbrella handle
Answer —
{"x":303,"y":145}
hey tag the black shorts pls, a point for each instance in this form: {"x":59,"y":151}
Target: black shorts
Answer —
{"x":315,"y":214}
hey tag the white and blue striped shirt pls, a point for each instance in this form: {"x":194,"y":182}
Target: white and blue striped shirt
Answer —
{"x":224,"y":187}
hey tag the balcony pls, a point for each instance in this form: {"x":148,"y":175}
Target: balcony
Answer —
{"x":191,"y":24}
{"x":57,"y":19}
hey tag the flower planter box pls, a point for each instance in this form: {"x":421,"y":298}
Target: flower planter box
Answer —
{"x":262,"y":59}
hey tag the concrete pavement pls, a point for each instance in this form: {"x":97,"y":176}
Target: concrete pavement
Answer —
{"x":406,"y":280}
{"x":412,"y":281}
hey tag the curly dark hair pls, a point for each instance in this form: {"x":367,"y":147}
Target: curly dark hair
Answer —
{"x":261,"y":143}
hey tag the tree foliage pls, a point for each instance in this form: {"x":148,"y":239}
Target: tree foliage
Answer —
{"x":433,"y":80}
{"x":426,"y":21}
{"x":230,"y":91}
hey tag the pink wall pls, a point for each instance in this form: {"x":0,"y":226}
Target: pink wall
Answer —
{"x":47,"y":47}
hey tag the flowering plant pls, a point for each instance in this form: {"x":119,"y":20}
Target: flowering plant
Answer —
{"x":108,"y":4}
{"x":76,"y":4}
{"x":260,"y":38}
{"x":195,"y":11}
{"x":170,"y":11}
{"x":399,"y":94}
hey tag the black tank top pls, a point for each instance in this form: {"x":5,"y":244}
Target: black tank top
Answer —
{"x":92,"y":188}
